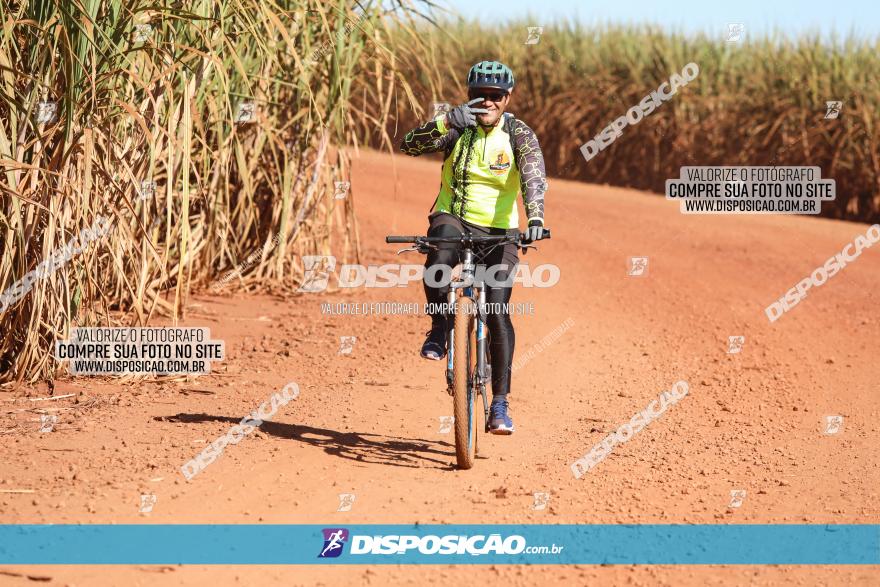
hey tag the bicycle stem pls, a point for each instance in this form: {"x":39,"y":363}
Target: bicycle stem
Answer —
{"x":466,"y":279}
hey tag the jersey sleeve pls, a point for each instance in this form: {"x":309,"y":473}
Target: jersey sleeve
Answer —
{"x":431,"y":137}
{"x":533,"y":177}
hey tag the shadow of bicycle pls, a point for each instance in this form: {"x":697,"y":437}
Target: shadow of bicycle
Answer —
{"x":357,"y":446}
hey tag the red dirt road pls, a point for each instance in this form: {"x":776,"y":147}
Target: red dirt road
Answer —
{"x":368,"y":423}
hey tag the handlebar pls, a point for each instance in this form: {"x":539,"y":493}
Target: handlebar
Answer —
{"x":401,"y":239}
{"x":464,"y":238}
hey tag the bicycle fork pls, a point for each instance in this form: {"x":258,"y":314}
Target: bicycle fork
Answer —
{"x":484,"y":369}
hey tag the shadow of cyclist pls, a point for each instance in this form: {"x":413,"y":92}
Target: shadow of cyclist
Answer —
{"x":357,"y":446}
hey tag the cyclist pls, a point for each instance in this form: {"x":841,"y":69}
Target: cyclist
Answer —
{"x":489,"y":157}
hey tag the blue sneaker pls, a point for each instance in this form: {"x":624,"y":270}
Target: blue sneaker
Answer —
{"x":434,"y":348}
{"x":499,"y":419}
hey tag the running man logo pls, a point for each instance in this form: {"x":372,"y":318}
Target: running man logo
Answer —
{"x":446,"y":423}
{"x":142,"y":33}
{"x":500,"y":164}
{"x":735,"y":344}
{"x":832,"y":109}
{"x":148,"y":188}
{"x":833,"y":424}
{"x":534,"y":37}
{"x":47,"y":112}
{"x":542,"y":498}
{"x":638,"y":266}
{"x":438,"y":108}
{"x":47,"y":422}
{"x":735,"y":32}
{"x":346,"y":344}
{"x":317,"y":272}
{"x":148,"y":500}
{"x":334,"y":541}
{"x":346,"y":501}
{"x":247,"y":112}
{"x":342,"y":188}
{"x":737,"y":496}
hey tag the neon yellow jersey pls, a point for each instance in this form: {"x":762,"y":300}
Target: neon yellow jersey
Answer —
{"x":481,"y":174}
{"x":492,"y":180}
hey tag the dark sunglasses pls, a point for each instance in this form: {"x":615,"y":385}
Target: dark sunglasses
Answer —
{"x":492,"y":96}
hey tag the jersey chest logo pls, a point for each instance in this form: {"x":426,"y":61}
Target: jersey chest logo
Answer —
{"x":499,"y":163}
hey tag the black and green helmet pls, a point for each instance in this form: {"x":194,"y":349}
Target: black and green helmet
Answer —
{"x":490,"y":74}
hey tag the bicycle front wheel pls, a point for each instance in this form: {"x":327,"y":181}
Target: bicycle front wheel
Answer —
{"x":463,"y":393}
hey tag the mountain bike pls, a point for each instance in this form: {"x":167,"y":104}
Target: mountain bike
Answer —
{"x":468,"y":370}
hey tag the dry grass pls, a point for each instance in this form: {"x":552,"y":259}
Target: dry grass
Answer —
{"x":757,"y":103}
{"x":162,"y":107}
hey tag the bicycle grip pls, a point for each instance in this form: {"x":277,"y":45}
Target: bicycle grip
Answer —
{"x":400,"y":239}
{"x":545,"y":234}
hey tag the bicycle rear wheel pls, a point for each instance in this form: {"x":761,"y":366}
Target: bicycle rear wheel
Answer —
{"x":464,"y":395}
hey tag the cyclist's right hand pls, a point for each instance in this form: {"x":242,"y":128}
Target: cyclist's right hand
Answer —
{"x":464,"y":115}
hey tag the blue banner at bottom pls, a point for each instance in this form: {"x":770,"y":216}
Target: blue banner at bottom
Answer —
{"x":737,"y":544}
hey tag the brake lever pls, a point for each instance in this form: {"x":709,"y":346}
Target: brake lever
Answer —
{"x":419,"y":248}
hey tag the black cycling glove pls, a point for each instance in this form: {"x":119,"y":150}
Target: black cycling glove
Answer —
{"x":464,"y":116}
{"x":534,"y":232}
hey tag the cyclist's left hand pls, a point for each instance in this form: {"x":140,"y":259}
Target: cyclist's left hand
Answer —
{"x":534,"y":233}
{"x":465,"y":115}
